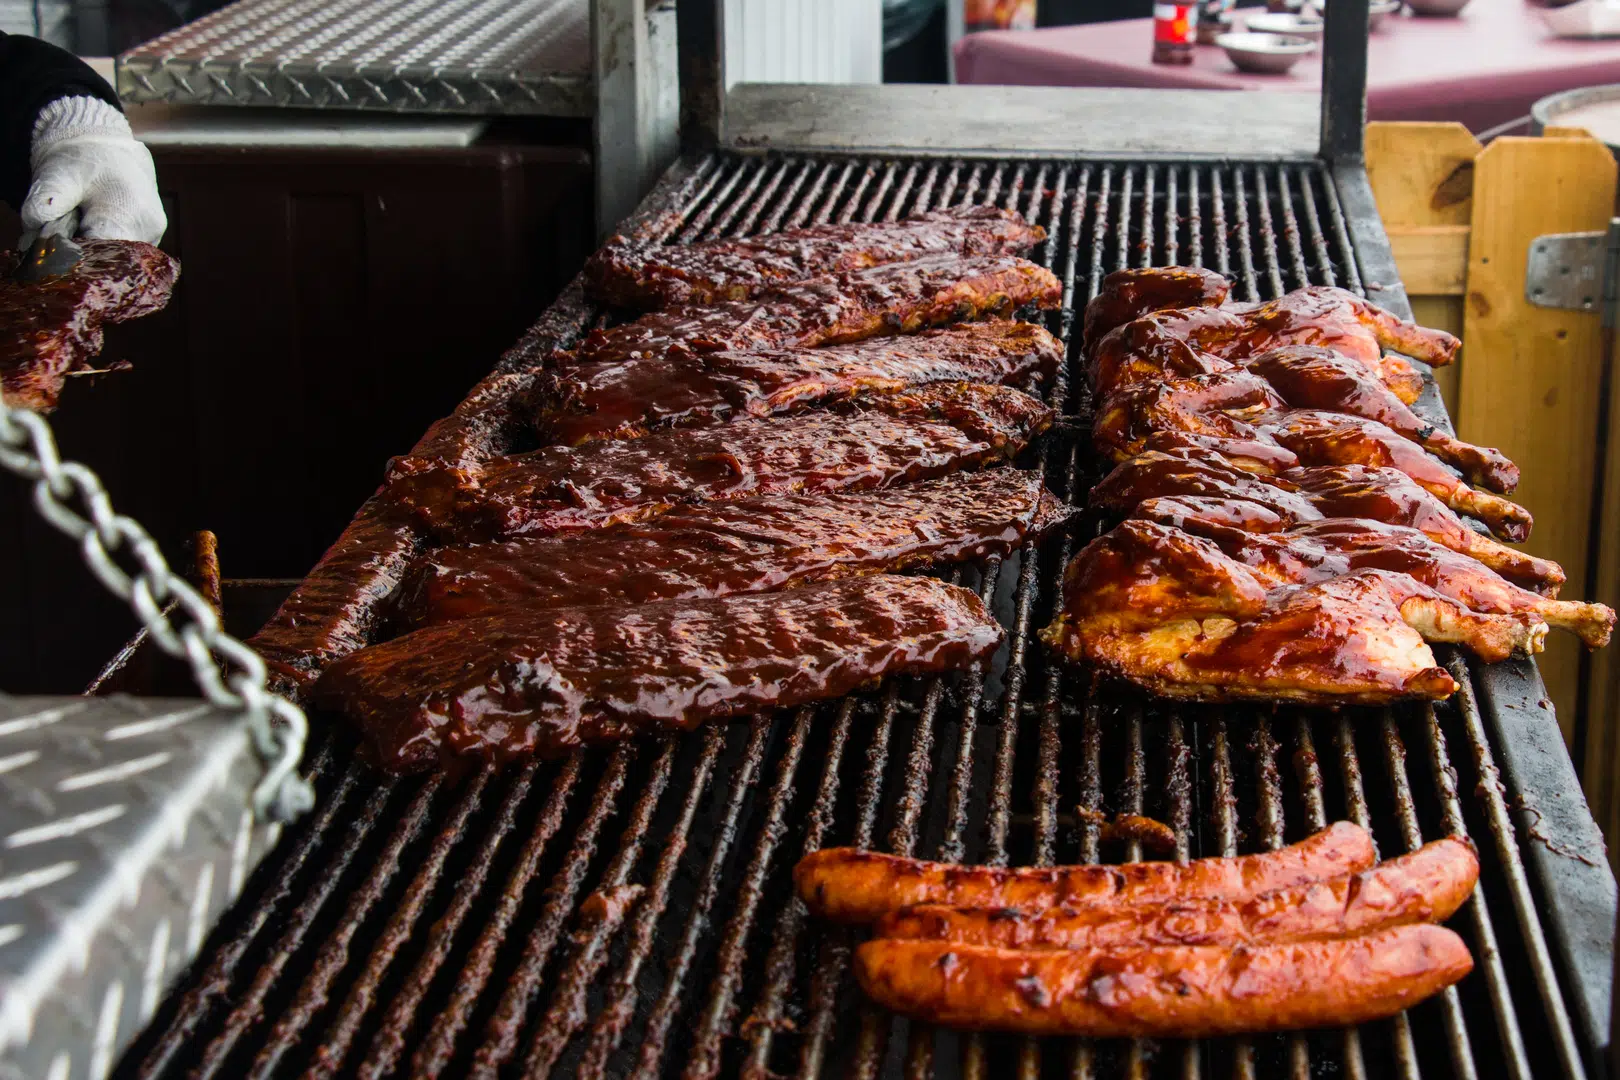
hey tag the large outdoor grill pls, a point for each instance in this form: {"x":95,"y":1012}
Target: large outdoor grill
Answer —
{"x":628,"y":911}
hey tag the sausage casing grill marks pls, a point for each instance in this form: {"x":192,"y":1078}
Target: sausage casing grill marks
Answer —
{"x":1427,"y":885}
{"x":1171,"y":992}
{"x":851,"y":886}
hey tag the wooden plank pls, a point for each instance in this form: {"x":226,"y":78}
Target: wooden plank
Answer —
{"x":1423,"y":177}
{"x":1433,"y":259}
{"x":1421,"y":174}
{"x":1443,"y":313}
{"x":1527,"y":378}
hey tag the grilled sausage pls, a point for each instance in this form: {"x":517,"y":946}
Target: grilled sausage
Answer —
{"x":1181,"y":991}
{"x":1427,"y":885}
{"x":861,"y":886}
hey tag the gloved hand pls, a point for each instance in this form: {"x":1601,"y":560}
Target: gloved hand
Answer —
{"x":90,"y":176}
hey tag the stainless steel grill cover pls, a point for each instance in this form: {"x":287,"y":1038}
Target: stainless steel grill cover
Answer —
{"x":438,"y":56}
{"x":124,"y":833}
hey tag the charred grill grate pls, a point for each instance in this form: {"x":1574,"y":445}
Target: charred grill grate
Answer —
{"x":441,"y":927}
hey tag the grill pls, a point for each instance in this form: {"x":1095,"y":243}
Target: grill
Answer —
{"x":628,"y":911}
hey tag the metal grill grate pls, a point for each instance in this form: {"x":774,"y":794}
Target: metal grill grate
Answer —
{"x":439,"y":927}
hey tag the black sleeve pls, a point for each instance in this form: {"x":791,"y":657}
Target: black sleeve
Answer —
{"x":34,"y":73}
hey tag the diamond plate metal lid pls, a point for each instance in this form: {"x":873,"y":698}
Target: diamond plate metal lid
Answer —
{"x":124,"y":833}
{"x":503,"y":57}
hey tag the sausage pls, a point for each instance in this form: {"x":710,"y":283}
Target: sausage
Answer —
{"x":860,"y":886}
{"x":1164,"y":991}
{"x":1427,"y":885}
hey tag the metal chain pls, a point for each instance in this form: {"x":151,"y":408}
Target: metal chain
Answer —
{"x":278,"y":727}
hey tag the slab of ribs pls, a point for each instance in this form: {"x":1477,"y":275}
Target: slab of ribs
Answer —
{"x":52,"y":329}
{"x":701,"y":512}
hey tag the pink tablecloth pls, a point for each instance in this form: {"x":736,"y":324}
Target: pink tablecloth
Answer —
{"x":1483,"y":68}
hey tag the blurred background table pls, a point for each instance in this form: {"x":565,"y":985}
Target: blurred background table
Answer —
{"x":1482,"y":68}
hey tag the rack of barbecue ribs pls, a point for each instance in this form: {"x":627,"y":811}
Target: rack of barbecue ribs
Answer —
{"x":722,"y":490}
{"x":612,"y":400}
{"x":745,"y":545}
{"x":51,"y":329}
{"x":627,"y":274}
{"x":543,"y":682}
{"x":1312,"y":935}
{"x":876,"y":441}
{"x":1292,"y":528}
{"x":893,"y":298}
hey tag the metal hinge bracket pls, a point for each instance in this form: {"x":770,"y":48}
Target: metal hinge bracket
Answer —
{"x":1578,"y":271}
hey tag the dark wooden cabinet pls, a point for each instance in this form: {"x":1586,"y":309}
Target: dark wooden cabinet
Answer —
{"x":332,"y":304}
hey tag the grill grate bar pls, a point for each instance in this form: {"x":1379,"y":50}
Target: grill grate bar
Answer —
{"x":389,"y":1044}
{"x":198,"y":1001}
{"x":340,"y":1036}
{"x":566,"y":1014}
{"x":622,"y":992}
{"x":1488,"y":953}
{"x":790,"y":924}
{"x":334,"y":953}
{"x":952,"y":847}
{"x":1268,"y":234}
{"x":1300,"y":274}
{"x":502,"y":1028}
{"x":705,"y":1059}
{"x":1395,"y":759}
{"x":1313,"y":221}
{"x":1501,"y":826}
{"x":663,"y":1014}
{"x":249,"y":1007}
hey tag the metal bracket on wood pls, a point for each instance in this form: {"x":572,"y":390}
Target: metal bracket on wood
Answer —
{"x":1578,"y":271}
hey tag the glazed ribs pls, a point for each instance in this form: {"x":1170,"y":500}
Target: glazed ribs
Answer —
{"x":750,"y":545}
{"x":543,"y":683}
{"x":51,"y":329}
{"x":894,"y":298}
{"x":1177,"y":615}
{"x":1242,"y":417}
{"x":1209,"y":487}
{"x":630,"y":274}
{"x":610,"y":400}
{"x":1292,"y":525}
{"x":889,"y":439}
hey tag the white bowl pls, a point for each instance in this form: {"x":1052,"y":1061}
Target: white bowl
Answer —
{"x":1284,"y":22}
{"x":1264,"y":54}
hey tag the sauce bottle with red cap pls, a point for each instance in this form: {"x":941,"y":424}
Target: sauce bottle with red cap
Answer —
{"x":1173,"y":30}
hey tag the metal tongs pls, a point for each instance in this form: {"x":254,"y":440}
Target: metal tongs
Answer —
{"x":52,"y":254}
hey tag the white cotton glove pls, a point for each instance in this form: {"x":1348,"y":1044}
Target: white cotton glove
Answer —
{"x":90,"y":176}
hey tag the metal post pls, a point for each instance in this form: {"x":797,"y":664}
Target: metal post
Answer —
{"x":1344,"y":80}
{"x":635,"y":102}
{"x":702,"y":37}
